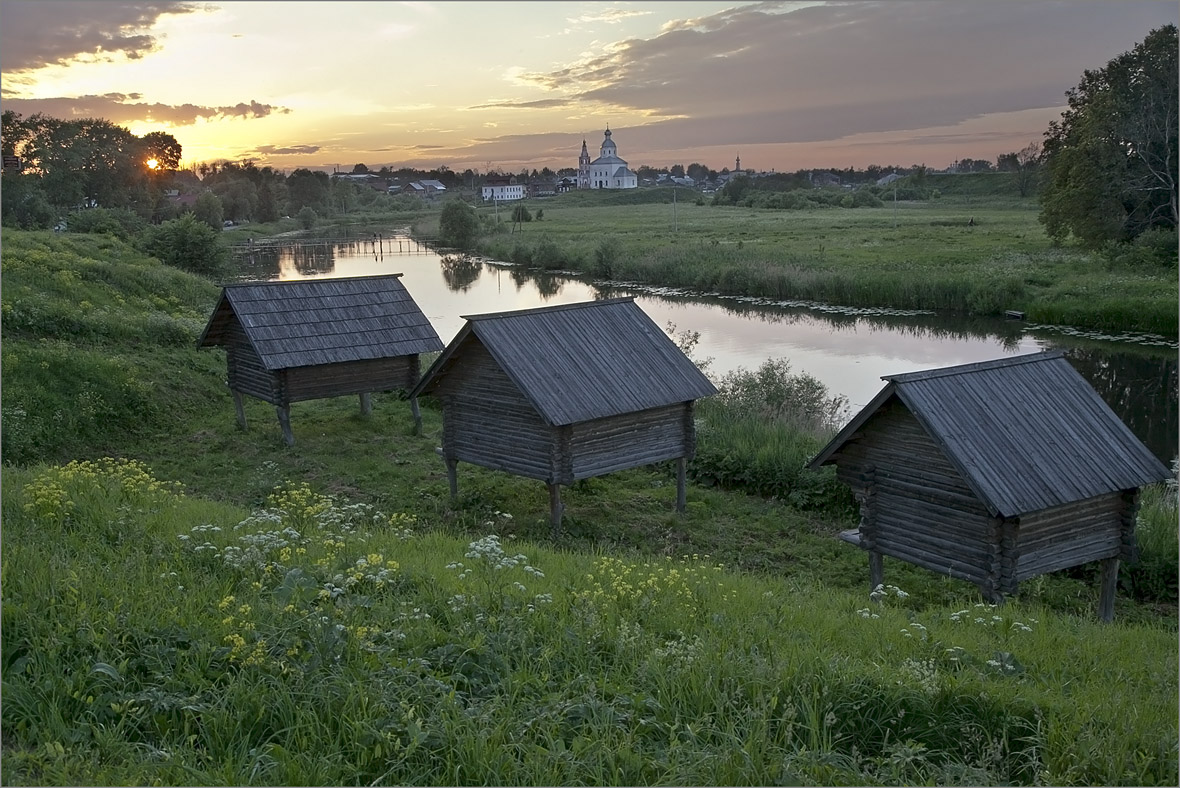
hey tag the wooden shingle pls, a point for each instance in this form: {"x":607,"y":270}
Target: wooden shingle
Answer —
{"x":578,"y":362}
{"x":994,"y":473}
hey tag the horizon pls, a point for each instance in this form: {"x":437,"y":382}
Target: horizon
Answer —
{"x":785,"y":85}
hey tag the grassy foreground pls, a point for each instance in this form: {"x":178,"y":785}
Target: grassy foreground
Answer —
{"x":213,"y":608}
{"x":977,"y":252}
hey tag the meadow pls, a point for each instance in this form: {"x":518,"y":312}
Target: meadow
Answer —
{"x":976,"y":249}
{"x":188,"y":603}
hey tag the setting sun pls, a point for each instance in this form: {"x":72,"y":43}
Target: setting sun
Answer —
{"x":152,"y":164}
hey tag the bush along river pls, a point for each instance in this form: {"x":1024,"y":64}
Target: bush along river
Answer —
{"x":847,"y":349}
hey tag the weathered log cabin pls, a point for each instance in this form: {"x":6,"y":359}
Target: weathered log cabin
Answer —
{"x":994,"y":473}
{"x":299,"y":340}
{"x":565,"y":393}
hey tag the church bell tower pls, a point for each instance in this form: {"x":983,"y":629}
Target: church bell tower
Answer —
{"x":584,"y":168}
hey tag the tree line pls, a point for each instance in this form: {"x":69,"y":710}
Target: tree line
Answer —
{"x":1105,"y":173}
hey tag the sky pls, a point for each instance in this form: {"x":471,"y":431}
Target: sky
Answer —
{"x":519,"y":85}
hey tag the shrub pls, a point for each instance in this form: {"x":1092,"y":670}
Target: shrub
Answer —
{"x":188,"y":244}
{"x":1155,"y":248}
{"x":307,"y":217}
{"x":25,"y":206}
{"x":118,"y":222}
{"x":1153,"y":576}
{"x":761,"y":430}
{"x":606,"y":255}
{"x":548,"y":254}
{"x":520,"y":213}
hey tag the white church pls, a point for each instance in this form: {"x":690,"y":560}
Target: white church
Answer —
{"x":608,"y":171}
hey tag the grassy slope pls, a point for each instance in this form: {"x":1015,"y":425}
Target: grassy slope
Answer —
{"x":126,"y":379}
{"x":918,"y":255}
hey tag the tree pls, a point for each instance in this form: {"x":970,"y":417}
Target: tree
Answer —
{"x":1028,"y":167}
{"x":91,"y":159}
{"x":458,"y":224}
{"x":208,"y":210}
{"x":1110,"y":162}
{"x":308,"y":188}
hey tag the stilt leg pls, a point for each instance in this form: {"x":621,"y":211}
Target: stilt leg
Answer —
{"x":284,"y":412}
{"x":876,"y":570}
{"x":555,"y":509}
{"x":452,"y":478}
{"x":417,"y":415}
{"x":1109,"y":584}
{"x":681,"y":472}
{"x":240,"y":410}
{"x":366,"y":403}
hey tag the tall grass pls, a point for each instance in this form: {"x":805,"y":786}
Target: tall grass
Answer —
{"x":761,"y":430}
{"x":914,"y":256}
{"x":316,"y":640}
{"x":325,"y":615}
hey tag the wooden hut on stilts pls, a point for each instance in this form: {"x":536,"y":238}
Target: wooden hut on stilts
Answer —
{"x":994,"y":473}
{"x":565,"y":393}
{"x":289,"y":341}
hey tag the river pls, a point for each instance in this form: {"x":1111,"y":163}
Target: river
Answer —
{"x":848,"y":350}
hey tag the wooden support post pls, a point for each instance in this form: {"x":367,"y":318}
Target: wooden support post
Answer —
{"x":876,"y":570}
{"x":1109,"y":584}
{"x":284,"y":412}
{"x":240,"y":410}
{"x":452,"y":478}
{"x":555,"y":508}
{"x":681,"y":492}
{"x":868,"y":526}
{"x":417,"y":415}
{"x":366,"y":403}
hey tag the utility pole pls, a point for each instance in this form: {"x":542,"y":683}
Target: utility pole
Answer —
{"x":675,"y":226}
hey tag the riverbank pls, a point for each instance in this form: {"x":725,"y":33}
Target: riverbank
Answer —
{"x":967,"y":255}
{"x":162,"y":625}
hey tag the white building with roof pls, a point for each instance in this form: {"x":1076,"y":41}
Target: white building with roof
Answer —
{"x":608,"y":171}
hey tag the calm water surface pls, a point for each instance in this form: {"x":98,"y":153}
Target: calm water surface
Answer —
{"x":849,"y":350}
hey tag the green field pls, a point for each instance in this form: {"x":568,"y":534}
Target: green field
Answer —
{"x":210,"y":607}
{"x":975,"y":250}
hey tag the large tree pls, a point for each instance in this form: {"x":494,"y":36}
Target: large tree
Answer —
{"x":1110,"y":162}
{"x":71,"y":161}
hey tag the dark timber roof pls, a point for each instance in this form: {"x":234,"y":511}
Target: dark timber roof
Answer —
{"x":1026,"y":433}
{"x":584,"y":361}
{"x":324,"y":321}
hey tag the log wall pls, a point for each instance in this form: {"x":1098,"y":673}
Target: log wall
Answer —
{"x":245,"y":370}
{"x":629,"y":440}
{"x":488,"y":422}
{"x":1077,"y":533}
{"x":923,"y":512}
{"x":351,"y":377}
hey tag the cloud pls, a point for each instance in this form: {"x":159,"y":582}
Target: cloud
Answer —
{"x":535,"y":104}
{"x":610,"y":15}
{"x":125,"y":108}
{"x":778,"y":72}
{"x":34,"y":35}
{"x":294,"y":150}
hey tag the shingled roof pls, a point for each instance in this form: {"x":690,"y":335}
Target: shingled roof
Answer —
{"x":1026,"y":433}
{"x":577,"y":362}
{"x":324,"y":321}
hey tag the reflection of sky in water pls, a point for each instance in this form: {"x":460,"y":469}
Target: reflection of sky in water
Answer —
{"x":849,"y":359}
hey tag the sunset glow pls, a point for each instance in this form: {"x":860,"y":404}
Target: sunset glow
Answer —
{"x":495,"y":85}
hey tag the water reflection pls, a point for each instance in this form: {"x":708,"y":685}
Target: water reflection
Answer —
{"x":460,"y":271}
{"x":848,"y":350}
